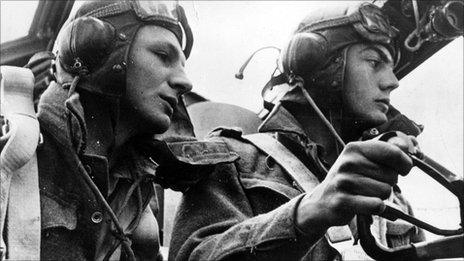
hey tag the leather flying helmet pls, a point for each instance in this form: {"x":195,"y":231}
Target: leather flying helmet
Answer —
{"x":316,"y":51}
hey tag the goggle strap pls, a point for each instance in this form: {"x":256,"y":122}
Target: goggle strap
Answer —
{"x":109,"y":10}
{"x":122,"y":7}
{"x":186,"y":30}
{"x":334,"y":22}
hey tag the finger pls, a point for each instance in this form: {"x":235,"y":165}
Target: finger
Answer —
{"x":415,"y":144}
{"x":364,"y":186}
{"x":360,"y":164}
{"x":406,"y":143}
{"x":366,"y":205}
{"x":385,"y":154}
{"x":413,"y":140}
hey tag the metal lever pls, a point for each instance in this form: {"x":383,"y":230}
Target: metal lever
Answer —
{"x":393,"y":214}
{"x":449,"y":247}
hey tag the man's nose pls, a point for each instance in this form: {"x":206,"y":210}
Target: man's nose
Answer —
{"x":180,"y":82}
{"x":389,"y":81}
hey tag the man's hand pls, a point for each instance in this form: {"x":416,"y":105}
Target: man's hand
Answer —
{"x":358,"y":182}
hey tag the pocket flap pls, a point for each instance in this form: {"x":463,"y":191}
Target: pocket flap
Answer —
{"x":276,"y":187}
{"x":202,"y":152}
{"x":57,"y":213}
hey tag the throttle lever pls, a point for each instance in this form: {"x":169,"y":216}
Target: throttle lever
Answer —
{"x":446,"y":178}
{"x":412,"y":148}
{"x":392,"y":214}
{"x":423,"y":250}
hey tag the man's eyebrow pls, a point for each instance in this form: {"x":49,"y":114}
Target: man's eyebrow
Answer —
{"x":165,"y":44}
{"x":385,"y":58}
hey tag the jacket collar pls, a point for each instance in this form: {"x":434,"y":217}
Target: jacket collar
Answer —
{"x":281,"y":120}
{"x":63,"y":117}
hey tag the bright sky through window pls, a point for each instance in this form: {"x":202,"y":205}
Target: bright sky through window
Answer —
{"x":16,"y":18}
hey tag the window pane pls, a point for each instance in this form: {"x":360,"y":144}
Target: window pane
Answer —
{"x":76,"y":6}
{"x":16,"y":18}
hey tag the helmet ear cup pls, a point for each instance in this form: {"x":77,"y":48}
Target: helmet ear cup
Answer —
{"x":84,"y":44}
{"x":305,"y":53}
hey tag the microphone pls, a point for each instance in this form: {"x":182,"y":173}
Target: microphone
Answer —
{"x":239,"y":74}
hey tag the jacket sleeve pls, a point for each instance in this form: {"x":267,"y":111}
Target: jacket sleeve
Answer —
{"x":215,"y":221}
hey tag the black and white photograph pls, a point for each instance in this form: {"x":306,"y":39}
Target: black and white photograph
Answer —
{"x":231,"y":130}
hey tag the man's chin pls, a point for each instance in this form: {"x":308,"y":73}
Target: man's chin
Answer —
{"x":159,"y":125}
{"x":162,"y":128}
{"x":376,"y":121}
{"x":371,"y":121}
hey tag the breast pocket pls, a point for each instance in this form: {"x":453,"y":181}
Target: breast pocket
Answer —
{"x":56,"y":212}
{"x":60,"y":238}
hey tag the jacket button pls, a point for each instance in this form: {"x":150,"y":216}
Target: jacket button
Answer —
{"x":295,"y":185}
{"x":97,"y":217}
{"x":374,"y":132}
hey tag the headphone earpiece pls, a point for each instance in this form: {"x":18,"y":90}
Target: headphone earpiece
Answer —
{"x":84,"y":44}
{"x":305,"y":53}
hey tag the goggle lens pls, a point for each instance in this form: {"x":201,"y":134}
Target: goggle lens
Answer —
{"x":156,"y":10}
{"x":375,"y":21}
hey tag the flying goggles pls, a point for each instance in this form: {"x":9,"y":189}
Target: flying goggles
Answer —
{"x":162,"y":12}
{"x":368,"y":21}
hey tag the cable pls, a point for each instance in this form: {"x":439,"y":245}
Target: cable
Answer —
{"x":239,"y":74}
{"x":321,"y":115}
